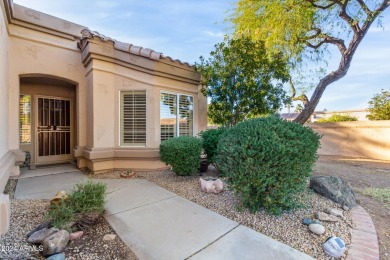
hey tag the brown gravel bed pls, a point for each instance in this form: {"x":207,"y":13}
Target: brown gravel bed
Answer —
{"x":27,"y":214}
{"x":287,"y":228}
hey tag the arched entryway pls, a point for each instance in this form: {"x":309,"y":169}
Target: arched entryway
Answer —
{"x":47,"y":119}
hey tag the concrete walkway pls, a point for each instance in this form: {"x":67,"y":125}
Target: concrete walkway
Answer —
{"x":158,"y":224}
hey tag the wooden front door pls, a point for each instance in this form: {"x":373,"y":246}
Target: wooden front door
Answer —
{"x":53,"y":129}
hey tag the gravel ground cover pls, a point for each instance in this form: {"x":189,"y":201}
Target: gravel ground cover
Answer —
{"x":287,"y":228}
{"x":27,"y":214}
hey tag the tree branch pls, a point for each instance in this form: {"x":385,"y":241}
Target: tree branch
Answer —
{"x":302,"y":97}
{"x":327,"y":39}
{"x":343,"y":14}
{"x":346,"y":57}
{"x":364,"y":7}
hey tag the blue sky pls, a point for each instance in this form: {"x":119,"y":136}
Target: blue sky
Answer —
{"x":187,"y":29}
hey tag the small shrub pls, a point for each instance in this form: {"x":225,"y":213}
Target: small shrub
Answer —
{"x":88,"y":197}
{"x":62,"y":216}
{"x":182,"y":153}
{"x":337,"y":118}
{"x":85,"y":198}
{"x":210,"y":139}
{"x":267,"y":162}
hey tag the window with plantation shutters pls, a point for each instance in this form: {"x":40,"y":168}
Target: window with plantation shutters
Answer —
{"x":176,"y":115}
{"x":133,"y":118}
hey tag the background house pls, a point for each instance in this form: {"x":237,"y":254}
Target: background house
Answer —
{"x":360,"y":114}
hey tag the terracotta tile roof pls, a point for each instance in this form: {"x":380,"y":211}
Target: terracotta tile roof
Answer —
{"x":127,"y":47}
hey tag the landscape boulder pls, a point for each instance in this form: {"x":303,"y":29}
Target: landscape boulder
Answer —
{"x":211,"y":186}
{"x":335,"y":189}
{"x":44,"y":224}
{"x":55,"y":243}
{"x":38,"y":236}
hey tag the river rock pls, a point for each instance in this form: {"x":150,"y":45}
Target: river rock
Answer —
{"x":334,"y":212}
{"x":55,"y":243}
{"x":76,"y":235}
{"x":109,"y":237}
{"x":316,"y":221}
{"x":60,"y":256}
{"x":335,"y":189}
{"x":38,"y":236}
{"x":317,"y":229}
{"x":326,"y":217}
{"x":306,"y":221}
{"x":211,"y":186}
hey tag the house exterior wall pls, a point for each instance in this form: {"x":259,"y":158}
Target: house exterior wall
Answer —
{"x":7,"y":157}
{"x":364,"y":139}
{"x":111,"y":71}
{"x":38,"y":54}
{"x":359,"y":114}
{"x":46,"y":47}
{"x":4,"y":58}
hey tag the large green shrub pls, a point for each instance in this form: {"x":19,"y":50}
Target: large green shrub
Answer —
{"x":267,"y":162}
{"x":182,"y":153}
{"x":210,"y":139}
{"x":337,"y":118}
{"x":85,"y":198}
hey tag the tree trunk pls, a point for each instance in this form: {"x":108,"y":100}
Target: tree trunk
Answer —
{"x":308,"y":110}
{"x":346,"y":54}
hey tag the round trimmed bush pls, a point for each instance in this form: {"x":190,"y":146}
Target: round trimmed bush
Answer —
{"x":182,"y":153}
{"x":210,"y":139}
{"x":267,"y":162}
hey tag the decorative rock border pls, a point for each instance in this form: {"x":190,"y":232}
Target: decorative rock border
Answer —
{"x":364,"y":240}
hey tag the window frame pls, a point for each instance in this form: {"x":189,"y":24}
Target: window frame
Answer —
{"x":178,"y":94}
{"x":29,"y":120}
{"x":121,"y":119}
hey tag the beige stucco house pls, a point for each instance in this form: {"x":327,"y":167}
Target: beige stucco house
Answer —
{"x":71,"y":94}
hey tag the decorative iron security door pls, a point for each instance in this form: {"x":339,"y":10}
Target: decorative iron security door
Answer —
{"x":54,"y":137}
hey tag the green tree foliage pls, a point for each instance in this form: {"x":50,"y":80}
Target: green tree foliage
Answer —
{"x":379,"y":106}
{"x":337,"y":118}
{"x":267,"y":162}
{"x":242,"y":81}
{"x":304,"y":29}
{"x":210,"y":139}
{"x":298,"y":108}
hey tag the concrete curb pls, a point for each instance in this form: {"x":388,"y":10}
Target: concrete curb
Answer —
{"x":364,"y":240}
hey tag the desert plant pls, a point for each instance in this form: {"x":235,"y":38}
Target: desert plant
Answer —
{"x":267,"y":162}
{"x":210,"y":139}
{"x":87,"y":197}
{"x":182,"y":153}
{"x":62,"y":216}
{"x":337,"y":118}
{"x":75,"y":210}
